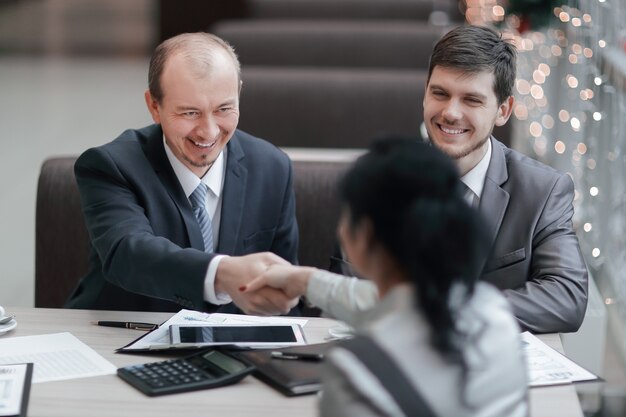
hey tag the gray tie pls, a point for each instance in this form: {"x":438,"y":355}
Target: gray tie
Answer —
{"x":198,"y":204}
{"x":470,"y":196}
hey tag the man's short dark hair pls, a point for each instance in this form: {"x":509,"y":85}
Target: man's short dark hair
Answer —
{"x":474,"y":49}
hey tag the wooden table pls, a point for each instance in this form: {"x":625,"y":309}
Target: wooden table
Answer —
{"x":109,"y":396}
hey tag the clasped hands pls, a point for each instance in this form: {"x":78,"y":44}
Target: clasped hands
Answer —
{"x":262,"y":283}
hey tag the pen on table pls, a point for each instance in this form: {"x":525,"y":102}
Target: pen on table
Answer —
{"x":298,"y":356}
{"x":128,"y":325}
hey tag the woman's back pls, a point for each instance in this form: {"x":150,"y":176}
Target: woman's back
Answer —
{"x":494,"y":383}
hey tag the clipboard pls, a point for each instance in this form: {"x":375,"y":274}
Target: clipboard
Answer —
{"x":15,"y":382}
{"x":158,"y":340}
{"x":132,"y":346}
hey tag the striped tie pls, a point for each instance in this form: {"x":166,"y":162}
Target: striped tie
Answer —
{"x":198,"y":204}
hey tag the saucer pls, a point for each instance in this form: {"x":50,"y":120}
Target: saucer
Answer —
{"x":5,"y":328}
{"x":340,"y":331}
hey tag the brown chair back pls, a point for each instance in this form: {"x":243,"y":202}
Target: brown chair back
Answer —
{"x":330,"y":108}
{"x":317,"y":209}
{"x":62,"y":241}
{"x":353,"y":44}
{"x":61,"y":238}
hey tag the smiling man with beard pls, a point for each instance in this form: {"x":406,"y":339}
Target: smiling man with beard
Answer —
{"x":534,"y":255}
{"x":164,"y":204}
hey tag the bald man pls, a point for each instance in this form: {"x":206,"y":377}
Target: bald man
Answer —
{"x":173,"y":208}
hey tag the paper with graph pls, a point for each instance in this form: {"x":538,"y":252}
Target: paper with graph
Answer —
{"x":546,"y":366}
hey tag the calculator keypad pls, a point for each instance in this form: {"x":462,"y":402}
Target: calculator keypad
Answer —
{"x":172,"y":373}
{"x":177,"y":375}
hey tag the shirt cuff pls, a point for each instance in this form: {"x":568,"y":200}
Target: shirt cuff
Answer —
{"x":341,"y":297}
{"x":320,"y":288}
{"x":210,"y":295}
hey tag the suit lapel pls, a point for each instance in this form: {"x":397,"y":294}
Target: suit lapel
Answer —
{"x":233,"y":196}
{"x":494,"y":200}
{"x":155,"y":152}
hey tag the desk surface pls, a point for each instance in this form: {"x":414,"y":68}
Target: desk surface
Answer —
{"x":110,"y":396}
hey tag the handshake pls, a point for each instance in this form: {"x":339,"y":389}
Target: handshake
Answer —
{"x":262,"y":283}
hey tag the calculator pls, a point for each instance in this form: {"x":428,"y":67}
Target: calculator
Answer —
{"x":206,"y":369}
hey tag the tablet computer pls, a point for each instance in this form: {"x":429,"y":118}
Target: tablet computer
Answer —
{"x":257,"y":336}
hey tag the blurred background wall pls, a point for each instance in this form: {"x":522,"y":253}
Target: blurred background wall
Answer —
{"x":72,"y":75}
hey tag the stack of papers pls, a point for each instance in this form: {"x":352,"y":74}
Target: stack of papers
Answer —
{"x":160,"y":338}
{"x":546,"y":366}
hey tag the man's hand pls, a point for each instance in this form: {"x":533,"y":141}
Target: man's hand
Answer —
{"x":235,"y":272}
{"x":291,"y":280}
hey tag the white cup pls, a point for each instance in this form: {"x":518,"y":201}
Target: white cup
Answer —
{"x":1,"y":311}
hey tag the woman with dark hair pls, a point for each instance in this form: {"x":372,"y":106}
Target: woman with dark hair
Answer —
{"x":438,"y":343}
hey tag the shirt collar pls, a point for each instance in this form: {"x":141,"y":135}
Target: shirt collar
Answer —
{"x":214,"y":178}
{"x":475,"y":177}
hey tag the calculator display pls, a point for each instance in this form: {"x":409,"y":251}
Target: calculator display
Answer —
{"x":227,"y":363}
{"x":237,"y":334}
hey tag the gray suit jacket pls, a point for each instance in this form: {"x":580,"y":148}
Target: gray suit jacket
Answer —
{"x":535,"y":258}
{"x":147,"y":251}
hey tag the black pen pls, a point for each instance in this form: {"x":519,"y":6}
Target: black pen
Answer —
{"x":129,"y":325}
{"x":303,"y":356}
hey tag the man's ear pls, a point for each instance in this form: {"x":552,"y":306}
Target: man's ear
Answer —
{"x":504,"y":111}
{"x":357,"y":239}
{"x":153,"y":107}
{"x":367,"y":232}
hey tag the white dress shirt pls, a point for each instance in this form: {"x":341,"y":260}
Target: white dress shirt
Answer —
{"x":214,"y":179}
{"x":474,"y":179}
{"x":341,"y":297}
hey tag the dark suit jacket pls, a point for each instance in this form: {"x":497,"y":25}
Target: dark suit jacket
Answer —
{"x":534,"y":254}
{"x":147,"y":251}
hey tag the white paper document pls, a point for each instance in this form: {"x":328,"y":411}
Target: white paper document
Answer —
{"x":56,"y":357}
{"x":546,"y":366}
{"x":12,"y":385}
{"x":160,"y":338}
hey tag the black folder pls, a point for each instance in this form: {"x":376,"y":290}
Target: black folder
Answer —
{"x":290,"y":377}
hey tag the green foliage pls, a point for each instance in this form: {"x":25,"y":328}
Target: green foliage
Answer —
{"x":533,"y":14}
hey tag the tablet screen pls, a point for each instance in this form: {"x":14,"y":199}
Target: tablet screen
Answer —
{"x":237,"y":334}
